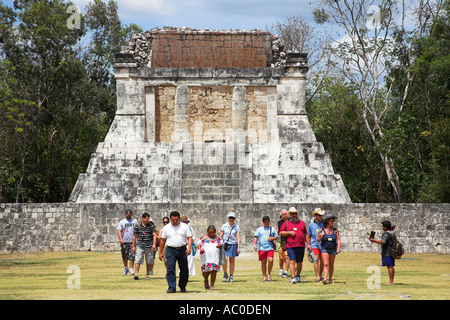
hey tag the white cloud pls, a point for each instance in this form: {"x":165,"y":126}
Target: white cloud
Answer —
{"x":140,"y":8}
{"x":130,"y":8}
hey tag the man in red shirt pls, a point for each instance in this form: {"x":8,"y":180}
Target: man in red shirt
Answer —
{"x":295,"y":232}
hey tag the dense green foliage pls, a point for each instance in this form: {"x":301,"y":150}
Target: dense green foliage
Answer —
{"x":57,"y":96}
{"x":413,"y":109}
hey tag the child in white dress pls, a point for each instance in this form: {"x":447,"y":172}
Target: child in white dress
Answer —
{"x":209,"y":246}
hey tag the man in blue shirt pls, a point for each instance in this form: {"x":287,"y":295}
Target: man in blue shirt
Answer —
{"x":265,"y":237}
{"x":313,"y":245}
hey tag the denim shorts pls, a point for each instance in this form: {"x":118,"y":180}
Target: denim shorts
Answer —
{"x":332,"y":251}
{"x":231,"y":250}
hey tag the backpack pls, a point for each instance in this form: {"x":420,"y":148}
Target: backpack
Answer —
{"x":396,"y":250}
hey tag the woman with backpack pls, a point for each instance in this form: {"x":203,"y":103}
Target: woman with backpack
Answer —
{"x":330,"y":246}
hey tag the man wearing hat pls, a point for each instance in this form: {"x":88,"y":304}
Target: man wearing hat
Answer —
{"x":265,"y":237}
{"x":295,"y":232}
{"x":313,"y":245}
{"x":231,"y":235}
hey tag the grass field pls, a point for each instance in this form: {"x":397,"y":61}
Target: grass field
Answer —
{"x":43,"y":276}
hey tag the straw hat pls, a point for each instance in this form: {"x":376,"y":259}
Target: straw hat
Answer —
{"x":292,"y":209}
{"x":318,"y":211}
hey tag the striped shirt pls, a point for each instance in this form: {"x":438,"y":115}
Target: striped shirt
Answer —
{"x":144,"y":235}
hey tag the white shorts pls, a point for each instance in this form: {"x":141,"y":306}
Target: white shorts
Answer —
{"x":147,"y":253}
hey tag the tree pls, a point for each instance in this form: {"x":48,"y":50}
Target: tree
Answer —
{"x":299,"y":36}
{"x":56,"y":102}
{"x":364,"y":54}
{"x":421,"y":135}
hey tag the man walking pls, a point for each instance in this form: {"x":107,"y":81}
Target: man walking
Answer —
{"x":313,"y":245}
{"x":295,"y":232}
{"x":178,"y":238}
{"x":144,"y":244}
{"x":282,"y":254}
{"x":125,"y":231}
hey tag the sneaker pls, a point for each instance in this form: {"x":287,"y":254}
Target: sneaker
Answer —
{"x":231,"y":278}
{"x":225,"y":277}
{"x":125,"y":271}
{"x":294,"y":280}
{"x":285,"y":274}
{"x":281,"y":272}
{"x":151,"y":273}
{"x":131,"y":271}
{"x":298,"y":279}
{"x":136,"y":277}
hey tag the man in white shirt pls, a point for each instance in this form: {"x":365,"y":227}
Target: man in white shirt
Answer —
{"x":178,"y":238}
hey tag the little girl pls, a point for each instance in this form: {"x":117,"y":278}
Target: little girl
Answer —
{"x":209,"y":246}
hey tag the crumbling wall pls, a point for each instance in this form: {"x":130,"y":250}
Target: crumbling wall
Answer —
{"x":202,"y":48}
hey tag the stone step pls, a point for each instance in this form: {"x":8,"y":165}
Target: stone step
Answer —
{"x":204,"y":183}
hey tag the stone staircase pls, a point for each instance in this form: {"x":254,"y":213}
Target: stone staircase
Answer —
{"x":210,"y":183}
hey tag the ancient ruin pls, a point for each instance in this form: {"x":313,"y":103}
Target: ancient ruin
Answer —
{"x":209,"y":116}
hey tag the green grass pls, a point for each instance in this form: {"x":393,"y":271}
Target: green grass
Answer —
{"x":44,"y":276}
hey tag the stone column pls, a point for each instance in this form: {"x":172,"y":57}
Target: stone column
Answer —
{"x":293,"y":123}
{"x":129,"y":121}
{"x":182,"y":114}
{"x":239,"y":114}
{"x":150,"y":114}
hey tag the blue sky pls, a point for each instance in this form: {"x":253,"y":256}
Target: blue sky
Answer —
{"x":213,"y":14}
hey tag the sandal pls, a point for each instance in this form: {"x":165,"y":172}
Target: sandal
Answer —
{"x":206,"y":284}
{"x":147,"y":276}
{"x":263,"y":280}
{"x":269,"y":278}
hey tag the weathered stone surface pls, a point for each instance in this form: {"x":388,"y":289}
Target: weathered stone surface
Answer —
{"x":174,"y":122}
{"x":89,"y":226}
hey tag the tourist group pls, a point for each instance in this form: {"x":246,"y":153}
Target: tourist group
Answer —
{"x":177,"y":244}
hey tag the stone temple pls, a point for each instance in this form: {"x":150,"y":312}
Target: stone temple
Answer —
{"x":208,"y":116}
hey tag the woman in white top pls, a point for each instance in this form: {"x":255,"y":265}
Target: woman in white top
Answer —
{"x":190,"y":257}
{"x":209,"y":246}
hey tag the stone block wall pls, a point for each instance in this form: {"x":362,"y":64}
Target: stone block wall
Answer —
{"x":209,"y":112}
{"x":174,"y":48}
{"x":422,"y":228}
